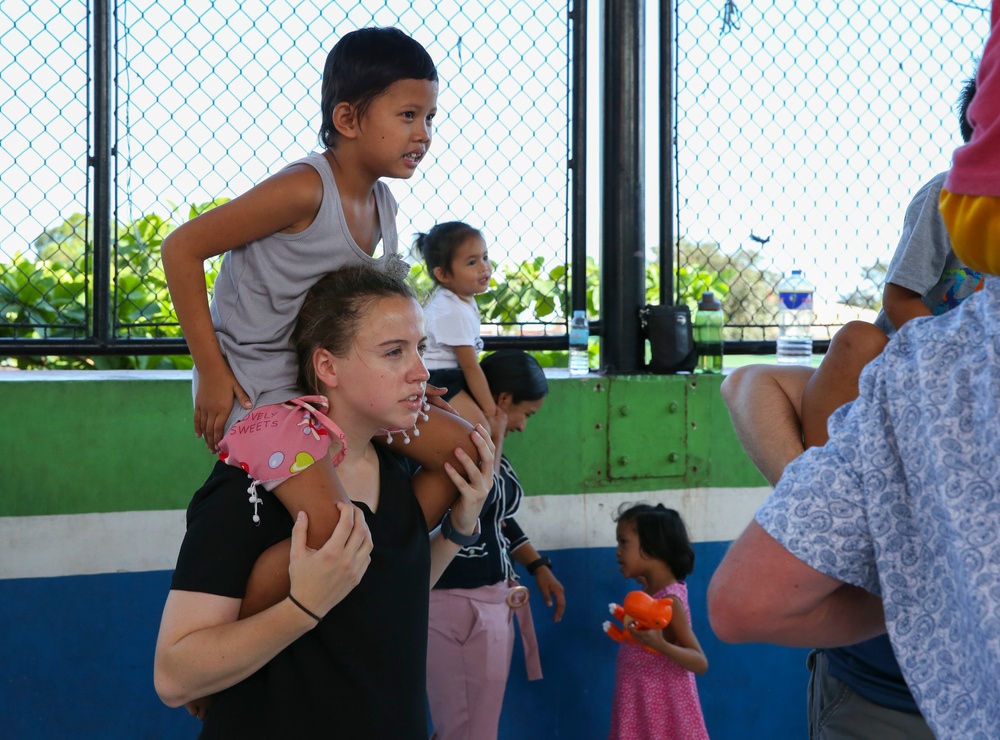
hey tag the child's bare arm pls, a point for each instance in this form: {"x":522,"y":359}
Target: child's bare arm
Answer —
{"x":684,"y":648}
{"x":677,"y":641}
{"x":475,"y":379}
{"x":185,"y":272}
{"x":202,"y":647}
{"x":287,"y":202}
{"x":902,"y":304}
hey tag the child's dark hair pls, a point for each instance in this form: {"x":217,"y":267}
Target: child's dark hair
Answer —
{"x":964,"y":101}
{"x":516,"y":372}
{"x":438,"y":246}
{"x":331,"y":315}
{"x":363,"y":65}
{"x":662,"y":535}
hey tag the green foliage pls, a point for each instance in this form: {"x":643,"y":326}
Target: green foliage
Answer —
{"x":46,"y":295}
{"x":868,"y":294}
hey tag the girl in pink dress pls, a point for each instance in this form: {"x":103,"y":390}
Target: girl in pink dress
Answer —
{"x":655,"y":692}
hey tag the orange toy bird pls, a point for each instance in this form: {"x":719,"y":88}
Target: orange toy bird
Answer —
{"x":648,"y":613}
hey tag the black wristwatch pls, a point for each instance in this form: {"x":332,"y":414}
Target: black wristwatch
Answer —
{"x":450,"y":533}
{"x":534,"y":565}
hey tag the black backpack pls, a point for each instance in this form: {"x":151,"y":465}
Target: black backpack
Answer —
{"x":671,"y":338}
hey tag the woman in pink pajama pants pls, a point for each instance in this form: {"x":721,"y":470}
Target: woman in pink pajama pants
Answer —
{"x":474,"y":604}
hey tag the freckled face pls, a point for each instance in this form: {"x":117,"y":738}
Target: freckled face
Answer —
{"x":383,"y":376}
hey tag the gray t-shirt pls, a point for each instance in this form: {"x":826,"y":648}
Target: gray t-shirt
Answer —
{"x":924,"y":261}
{"x":261,"y":287}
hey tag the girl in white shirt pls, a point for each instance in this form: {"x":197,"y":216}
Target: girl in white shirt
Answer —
{"x":458,"y":261}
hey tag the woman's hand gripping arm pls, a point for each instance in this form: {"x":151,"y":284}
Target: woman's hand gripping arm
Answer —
{"x":472,"y":496}
{"x":202,"y":648}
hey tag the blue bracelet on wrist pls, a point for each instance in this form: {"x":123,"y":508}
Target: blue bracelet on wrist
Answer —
{"x":450,"y":533}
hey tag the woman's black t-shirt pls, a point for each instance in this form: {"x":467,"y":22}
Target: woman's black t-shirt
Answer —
{"x":361,"y":672}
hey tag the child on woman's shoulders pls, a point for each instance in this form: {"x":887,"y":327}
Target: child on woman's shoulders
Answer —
{"x":458,"y":261}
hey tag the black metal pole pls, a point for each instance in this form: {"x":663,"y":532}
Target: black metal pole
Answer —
{"x":623,"y":238}
{"x":667,"y":234}
{"x":578,"y":159}
{"x":101,"y":170}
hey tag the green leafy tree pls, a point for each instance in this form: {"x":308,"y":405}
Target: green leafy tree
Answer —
{"x":44,"y":292}
{"x":65,"y":243}
{"x":868,"y":294}
{"x":748,"y":302}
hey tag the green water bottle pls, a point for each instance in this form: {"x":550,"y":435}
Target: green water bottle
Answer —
{"x":708,"y":322}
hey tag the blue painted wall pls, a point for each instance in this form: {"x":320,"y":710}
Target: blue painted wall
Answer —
{"x":76,"y":657}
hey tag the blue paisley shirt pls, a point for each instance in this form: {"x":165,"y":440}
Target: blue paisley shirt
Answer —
{"x":904,"y":501}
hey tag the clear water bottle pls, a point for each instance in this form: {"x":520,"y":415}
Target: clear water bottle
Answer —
{"x":708,"y":323}
{"x":795,"y":320}
{"x":579,"y":337}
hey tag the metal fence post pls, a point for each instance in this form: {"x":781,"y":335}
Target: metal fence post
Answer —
{"x":623,"y":241}
{"x":666,"y":126}
{"x":578,"y":158}
{"x":101,"y":171}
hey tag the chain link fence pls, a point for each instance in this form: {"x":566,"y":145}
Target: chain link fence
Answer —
{"x":209,"y":99}
{"x":802,"y":132}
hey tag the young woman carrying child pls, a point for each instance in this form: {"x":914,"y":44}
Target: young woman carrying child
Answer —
{"x":340,"y":655}
{"x":655,"y":693}
{"x":327,"y":211}
{"x":459,"y":263}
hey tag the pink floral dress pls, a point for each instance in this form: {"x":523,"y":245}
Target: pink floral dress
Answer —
{"x":655,"y":698}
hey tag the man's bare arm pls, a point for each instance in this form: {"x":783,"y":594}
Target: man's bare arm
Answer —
{"x":762,"y":593}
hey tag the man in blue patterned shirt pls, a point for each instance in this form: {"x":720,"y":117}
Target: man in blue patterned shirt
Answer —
{"x":893,"y":525}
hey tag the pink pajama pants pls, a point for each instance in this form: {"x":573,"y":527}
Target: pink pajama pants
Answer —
{"x":469,"y":647}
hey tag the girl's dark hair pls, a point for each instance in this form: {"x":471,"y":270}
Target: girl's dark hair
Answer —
{"x":363,"y":65}
{"x":662,"y":535}
{"x":515,"y":372}
{"x":331,"y":315}
{"x":964,"y":101}
{"x":438,"y":246}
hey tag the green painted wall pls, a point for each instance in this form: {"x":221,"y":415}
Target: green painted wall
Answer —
{"x":98,"y":442}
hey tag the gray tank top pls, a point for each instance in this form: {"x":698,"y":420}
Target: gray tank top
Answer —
{"x":261,"y":287}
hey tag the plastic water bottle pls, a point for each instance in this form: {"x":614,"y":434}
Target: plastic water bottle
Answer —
{"x":579,"y":337}
{"x":795,"y":320}
{"x":708,"y":323}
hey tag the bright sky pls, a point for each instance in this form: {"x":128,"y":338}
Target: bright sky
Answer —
{"x":815,"y":123}
{"x":810,"y":123}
